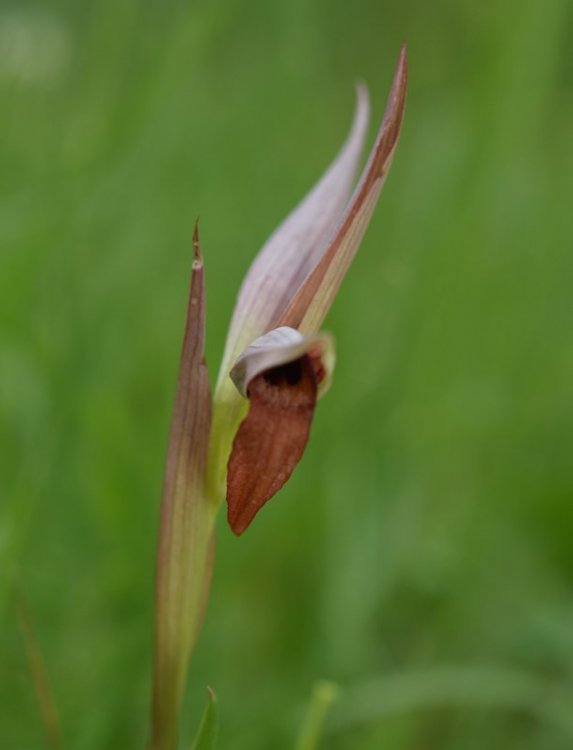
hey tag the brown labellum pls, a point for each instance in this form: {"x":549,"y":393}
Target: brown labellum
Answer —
{"x":271,"y":439}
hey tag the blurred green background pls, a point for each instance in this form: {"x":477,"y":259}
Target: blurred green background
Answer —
{"x":422,"y":555}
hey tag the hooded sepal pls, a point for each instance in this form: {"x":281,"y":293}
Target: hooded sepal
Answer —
{"x":296,"y":246}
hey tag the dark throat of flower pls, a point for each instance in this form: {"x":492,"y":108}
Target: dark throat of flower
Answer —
{"x":272,"y":438}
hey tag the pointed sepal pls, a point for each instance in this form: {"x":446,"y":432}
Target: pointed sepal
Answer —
{"x":309,"y":306}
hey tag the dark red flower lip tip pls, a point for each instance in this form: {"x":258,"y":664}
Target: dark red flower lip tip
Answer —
{"x":271,"y":439}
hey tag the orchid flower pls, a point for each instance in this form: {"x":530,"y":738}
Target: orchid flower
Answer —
{"x":244,"y":443}
{"x":274,"y":355}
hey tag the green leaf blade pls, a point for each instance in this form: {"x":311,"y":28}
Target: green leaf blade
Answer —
{"x":206,"y":738}
{"x":324,"y":694}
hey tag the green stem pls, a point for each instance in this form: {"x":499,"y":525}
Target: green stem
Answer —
{"x":184,"y":589}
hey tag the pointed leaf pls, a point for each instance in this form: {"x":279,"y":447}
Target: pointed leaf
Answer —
{"x":206,"y":738}
{"x":309,"y":306}
{"x":184,"y":556}
{"x":295,"y":247}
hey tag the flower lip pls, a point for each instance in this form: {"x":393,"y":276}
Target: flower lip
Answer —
{"x":282,"y":374}
{"x":271,"y":440}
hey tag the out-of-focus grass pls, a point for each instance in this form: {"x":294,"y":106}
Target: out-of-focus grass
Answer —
{"x":429,"y":526}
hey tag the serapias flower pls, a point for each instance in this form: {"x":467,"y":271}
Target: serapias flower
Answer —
{"x":274,"y":355}
{"x":245,"y":441}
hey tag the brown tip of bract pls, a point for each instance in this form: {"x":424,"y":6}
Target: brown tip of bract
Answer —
{"x":197,"y":257}
{"x":271,"y":439}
